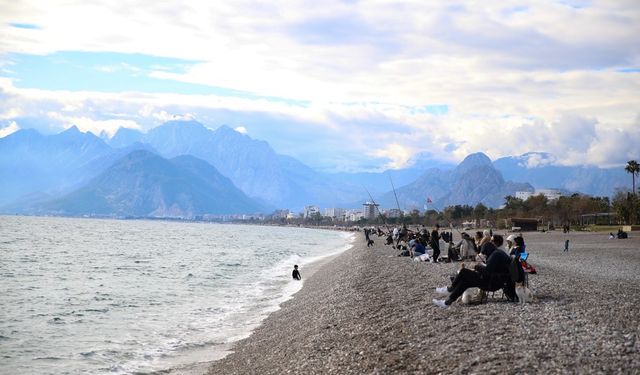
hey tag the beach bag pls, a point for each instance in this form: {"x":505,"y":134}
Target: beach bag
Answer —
{"x":528,"y":268}
{"x":472,"y":296}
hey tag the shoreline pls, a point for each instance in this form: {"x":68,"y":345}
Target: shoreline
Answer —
{"x":199,"y":366}
{"x":368,"y":311}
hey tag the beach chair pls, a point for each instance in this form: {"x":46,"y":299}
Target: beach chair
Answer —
{"x":523,"y":258}
{"x":496,"y":283}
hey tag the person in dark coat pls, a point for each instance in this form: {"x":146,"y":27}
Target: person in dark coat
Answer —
{"x":493,"y":276}
{"x":434,"y":242}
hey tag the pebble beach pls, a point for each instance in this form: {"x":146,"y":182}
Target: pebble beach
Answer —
{"x":368,"y":311}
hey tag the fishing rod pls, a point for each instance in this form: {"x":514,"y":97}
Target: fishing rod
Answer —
{"x":395,"y":195}
{"x":376,"y":206}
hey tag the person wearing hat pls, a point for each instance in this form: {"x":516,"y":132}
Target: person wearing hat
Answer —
{"x":510,"y":242}
{"x":518,"y":246}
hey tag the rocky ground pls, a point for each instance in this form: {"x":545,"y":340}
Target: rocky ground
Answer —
{"x":368,"y":311}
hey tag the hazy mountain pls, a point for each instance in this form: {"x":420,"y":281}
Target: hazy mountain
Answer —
{"x":380,"y":182}
{"x":473,"y":181}
{"x":252,"y":165}
{"x":125,"y":137}
{"x":35,"y":167}
{"x":33,"y":163}
{"x":538,"y":168}
{"x":143,"y":184}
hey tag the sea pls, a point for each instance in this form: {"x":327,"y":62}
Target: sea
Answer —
{"x":92,"y":296}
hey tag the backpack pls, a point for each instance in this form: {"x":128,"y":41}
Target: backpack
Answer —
{"x":515,"y":270}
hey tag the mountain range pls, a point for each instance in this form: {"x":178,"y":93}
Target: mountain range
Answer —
{"x":72,"y":171}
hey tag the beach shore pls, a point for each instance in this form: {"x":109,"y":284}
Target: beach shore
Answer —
{"x":369,"y":311}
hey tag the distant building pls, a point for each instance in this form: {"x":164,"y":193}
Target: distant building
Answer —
{"x":470,"y":224}
{"x":370,"y":210}
{"x":524,"y":224}
{"x":393,"y":213}
{"x":523,"y":195}
{"x":551,"y":194}
{"x":353,"y":215}
{"x":336,"y":213}
{"x":280,"y":214}
{"x":311,"y":211}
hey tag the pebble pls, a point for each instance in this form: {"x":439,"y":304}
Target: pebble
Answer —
{"x":368,"y":311}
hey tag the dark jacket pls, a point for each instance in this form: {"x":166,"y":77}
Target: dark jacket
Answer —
{"x":496,"y":272}
{"x":487,"y":249}
{"x":516,"y":251}
{"x":434,"y":240}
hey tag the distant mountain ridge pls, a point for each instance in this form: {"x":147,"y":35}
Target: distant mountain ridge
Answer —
{"x":252,"y":165}
{"x":32,"y":163}
{"x":540,"y":170}
{"x":143,"y":184}
{"x":35,"y":168}
{"x":473,"y":181}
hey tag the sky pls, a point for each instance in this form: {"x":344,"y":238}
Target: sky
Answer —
{"x":340,"y":85}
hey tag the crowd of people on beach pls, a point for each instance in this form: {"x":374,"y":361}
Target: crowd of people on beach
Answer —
{"x":496,"y":265}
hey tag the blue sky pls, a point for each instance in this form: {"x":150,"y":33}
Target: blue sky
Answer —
{"x":340,"y":85}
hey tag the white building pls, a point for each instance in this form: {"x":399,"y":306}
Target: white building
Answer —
{"x":336,"y":213}
{"x":370,"y":210}
{"x":551,"y":194}
{"x":353,"y":215}
{"x":524,"y":195}
{"x":310,"y":211}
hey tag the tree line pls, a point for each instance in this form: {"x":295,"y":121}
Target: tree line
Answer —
{"x":623,"y":208}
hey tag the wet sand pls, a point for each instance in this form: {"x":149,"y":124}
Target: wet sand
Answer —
{"x":368,"y":311}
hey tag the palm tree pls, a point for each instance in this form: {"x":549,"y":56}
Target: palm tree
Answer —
{"x":634,"y":168}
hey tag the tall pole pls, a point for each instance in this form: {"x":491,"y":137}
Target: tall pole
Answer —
{"x":395,"y":195}
{"x":376,"y":206}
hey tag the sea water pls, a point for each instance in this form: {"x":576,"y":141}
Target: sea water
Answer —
{"x":132,"y":296}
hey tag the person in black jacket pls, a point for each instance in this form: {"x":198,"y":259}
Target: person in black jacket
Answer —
{"x":434,"y":242}
{"x":492,"y":277}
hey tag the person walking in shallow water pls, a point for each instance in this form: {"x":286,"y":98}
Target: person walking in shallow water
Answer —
{"x":296,"y":273}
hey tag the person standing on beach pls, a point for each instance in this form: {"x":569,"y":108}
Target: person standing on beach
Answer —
{"x":566,"y":245}
{"x":296,"y":273}
{"x":435,"y":243}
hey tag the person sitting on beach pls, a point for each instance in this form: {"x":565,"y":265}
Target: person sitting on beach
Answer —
{"x":477,"y":238}
{"x":424,"y":236}
{"x":493,"y":276}
{"x":510,"y":242}
{"x":417,"y":249}
{"x":389,"y":239}
{"x":296,"y":273}
{"x":466,"y":247}
{"x":488,"y":248}
{"x":518,"y":247}
{"x":486,"y":237}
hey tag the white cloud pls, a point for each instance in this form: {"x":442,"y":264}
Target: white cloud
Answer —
{"x":241,"y":130}
{"x":86,"y":124}
{"x":516,"y":76}
{"x":399,"y":154}
{"x":9,"y":129}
